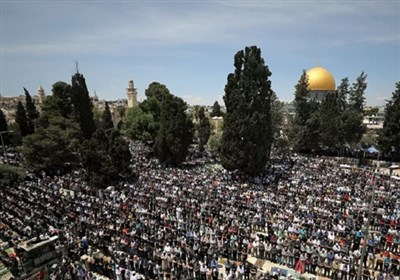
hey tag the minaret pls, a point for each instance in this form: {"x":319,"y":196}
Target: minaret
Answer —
{"x":95,"y":98}
{"x":132,"y":95}
{"x":41,"y":94}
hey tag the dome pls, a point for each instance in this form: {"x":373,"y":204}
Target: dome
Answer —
{"x":319,"y":79}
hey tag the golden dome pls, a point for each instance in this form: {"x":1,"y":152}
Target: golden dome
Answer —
{"x":320,"y":79}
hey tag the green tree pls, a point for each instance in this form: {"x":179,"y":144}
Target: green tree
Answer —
{"x":15,"y":138}
{"x":214,"y":142}
{"x":156,"y":94}
{"x":107,"y":118}
{"x":175,"y":133}
{"x":82,"y":105}
{"x":119,"y":154}
{"x":304,"y":134}
{"x":330,"y":120}
{"x":353,"y":127}
{"x":97,"y":165}
{"x":389,"y":137}
{"x":4,"y":127}
{"x":301,"y":102}
{"x":139,"y":125}
{"x":105,"y":158}
{"x":247,"y":135}
{"x":21,"y":120}
{"x":343,"y":92}
{"x":311,"y":134}
{"x":10,"y":174}
{"x":216,"y":110}
{"x":60,"y":103}
{"x":204,"y":128}
{"x":50,"y":149}
{"x":276,"y":115}
{"x":31,"y":113}
{"x":357,"y":93}
{"x":97,"y":118}
{"x":53,"y":146}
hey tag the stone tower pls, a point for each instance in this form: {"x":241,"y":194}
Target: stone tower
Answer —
{"x":41,"y":94}
{"x":132,"y":95}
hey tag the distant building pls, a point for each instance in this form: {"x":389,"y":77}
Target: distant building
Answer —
{"x":117,"y":107}
{"x":375,"y":122}
{"x":8,"y":104}
{"x":132,"y":95}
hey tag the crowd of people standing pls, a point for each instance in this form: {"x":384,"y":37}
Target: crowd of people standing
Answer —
{"x":308,"y":214}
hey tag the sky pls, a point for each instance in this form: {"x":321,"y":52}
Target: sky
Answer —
{"x":189,"y":45}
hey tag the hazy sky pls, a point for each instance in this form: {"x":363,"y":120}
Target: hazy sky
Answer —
{"x":189,"y":45}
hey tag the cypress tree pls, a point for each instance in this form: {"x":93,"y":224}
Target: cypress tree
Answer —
{"x":21,"y":119}
{"x":3,"y":126}
{"x":175,"y":133}
{"x":343,"y":92}
{"x":247,"y":135}
{"x":31,"y":112}
{"x":216,"y":110}
{"x":305,"y":131}
{"x":353,"y":126}
{"x":107,"y":118}
{"x":330,"y":120}
{"x":389,"y":138}
{"x":82,"y":105}
{"x":204,"y":129}
{"x":357,"y":93}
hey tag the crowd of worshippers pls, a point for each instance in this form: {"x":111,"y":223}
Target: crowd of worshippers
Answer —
{"x":10,"y":155}
{"x":305,"y":213}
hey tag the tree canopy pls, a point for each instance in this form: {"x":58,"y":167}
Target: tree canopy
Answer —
{"x":204,"y":129}
{"x":216,"y":110}
{"x":21,"y":119}
{"x":389,"y":138}
{"x":82,"y":106}
{"x":107,"y":118}
{"x":31,"y":112}
{"x":247,"y":135}
{"x":175,"y":133}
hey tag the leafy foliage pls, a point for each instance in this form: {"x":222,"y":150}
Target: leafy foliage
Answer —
{"x":21,"y":119}
{"x":156,"y":94}
{"x":60,"y":102}
{"x":107,"y":118}
{"x":276,"y":115}
{"x":389,"y":138}
{"x":31,"y":113}
{"x":4,"y":127}
{"x":247,"y":135}
{"x":53,"y":145}
{"x":50,"y":149}
{"x":175,"y":133}
{"x":216,"y":110}
{"x":305,"y":131}
{"x":353,"y":127}
{"x":10,"y":174}
{"x":330,"y":120}
{"x":105,"y":158}
{"x":204,"y":128}
{"x":82,"y":105}
{"x":140,"y":125}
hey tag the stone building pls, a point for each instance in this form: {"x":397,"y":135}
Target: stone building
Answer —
{"x":8,"y":104}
